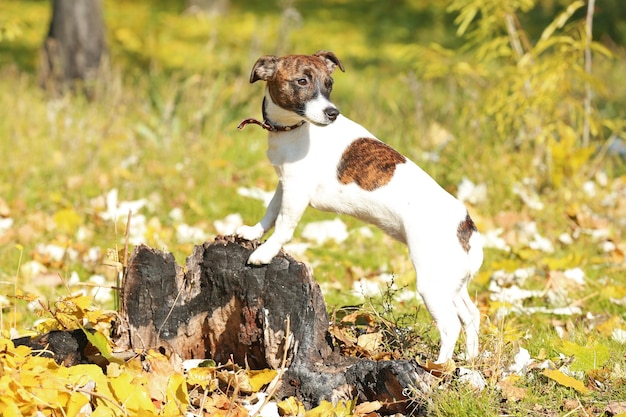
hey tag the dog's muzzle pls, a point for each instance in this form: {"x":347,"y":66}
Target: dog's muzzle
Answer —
{"x":331,"y":113}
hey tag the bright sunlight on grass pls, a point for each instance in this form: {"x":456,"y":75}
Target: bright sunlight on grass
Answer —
{"x":496,"y":122}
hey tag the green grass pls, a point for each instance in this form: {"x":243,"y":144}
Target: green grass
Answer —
{"x":162,"y":126}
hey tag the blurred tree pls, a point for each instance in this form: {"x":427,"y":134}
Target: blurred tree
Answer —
{"x":75,"y":45}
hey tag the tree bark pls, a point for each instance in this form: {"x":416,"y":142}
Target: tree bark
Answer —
{"x":221,"y":308}
{"x":75,"y":45}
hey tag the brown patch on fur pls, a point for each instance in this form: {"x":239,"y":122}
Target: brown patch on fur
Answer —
{"x":369,"y":163}
{"x":464,"y":232}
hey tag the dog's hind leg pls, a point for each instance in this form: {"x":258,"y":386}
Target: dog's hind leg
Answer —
{"x":470,"y":318}
{"x":441,"y":307}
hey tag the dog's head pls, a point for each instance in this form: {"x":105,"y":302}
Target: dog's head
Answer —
{"x":301,"y":84}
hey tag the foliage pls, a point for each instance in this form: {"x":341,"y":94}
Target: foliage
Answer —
{"x":498,"y":120}
{"x":530,"y":94}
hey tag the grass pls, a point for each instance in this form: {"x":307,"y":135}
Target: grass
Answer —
{"x":163,"y":127}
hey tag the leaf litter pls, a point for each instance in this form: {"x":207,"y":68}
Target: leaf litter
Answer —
{"x":159,"y":384}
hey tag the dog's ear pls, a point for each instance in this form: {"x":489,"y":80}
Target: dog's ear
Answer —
{"x":264,"y":68}
{"x":330,"y":59}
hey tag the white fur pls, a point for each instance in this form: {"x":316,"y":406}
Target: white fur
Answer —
{"x":314,"y":110}
{"x":412,"y":208}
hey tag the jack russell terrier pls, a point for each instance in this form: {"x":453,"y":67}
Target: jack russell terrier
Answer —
{"x":329,"y":162}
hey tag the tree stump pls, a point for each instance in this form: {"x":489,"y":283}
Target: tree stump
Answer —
{"x":219,"y":307}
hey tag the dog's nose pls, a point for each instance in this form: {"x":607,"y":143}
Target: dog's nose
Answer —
{"x":331,"y":113}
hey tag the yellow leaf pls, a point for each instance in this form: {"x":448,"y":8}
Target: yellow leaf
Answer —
{"x":83,"y":374}
{"x":204,"y":377}
{"x":77,"y":401}
{"x":606,"y":328}
{"x":327,"y":409}
{"x":74,"y":302}
{"x":103,"y":411}
{"x":133,"y":393}
{"x":9,"y":408}
{"x":566,"y":381}
{"x":260,"y":378}
{"x":591,"y":356}
{"x":291,"y":407}
{"x":47,"y":325}
{"x":177,"y":396}
{"x":67,"y":220}
{"x":19,"y":294}
{"x":100,"y":342}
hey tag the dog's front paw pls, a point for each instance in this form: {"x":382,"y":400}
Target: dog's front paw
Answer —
{"x":263,"y":255}
{"x":250,"y":232}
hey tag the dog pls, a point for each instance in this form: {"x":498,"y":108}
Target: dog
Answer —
{"x":331,"y":163}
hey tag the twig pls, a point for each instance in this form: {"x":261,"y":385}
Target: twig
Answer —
{"x":273,"y":387}
{"x":15,"y":288}
{"x":101,"y":396}
{"x":588,"y":92}
{"x":169,"y":313}
{"x":119,"y":306}
{"x":514,"y":36}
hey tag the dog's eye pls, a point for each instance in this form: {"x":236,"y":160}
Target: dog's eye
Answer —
{"x":302,"y":82}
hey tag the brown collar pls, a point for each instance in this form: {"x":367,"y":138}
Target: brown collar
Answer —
{"x":267,"y":125}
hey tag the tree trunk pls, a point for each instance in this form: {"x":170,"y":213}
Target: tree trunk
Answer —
{"x":75,"y":45}
{"x":221,"y":308}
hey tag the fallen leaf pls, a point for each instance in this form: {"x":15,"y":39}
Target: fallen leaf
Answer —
{"x":606,"y":327}
{"x":204,"y":377}
{"x":570,"y":404}
{"x":327,"y":409}
{"x":510,"y":392}
{"x":440,"y":369}
{"x":615,"y":408}
{"x":566,"y":381}
{"x":367,"y":408}
{"x":359,"y":318}
{"x":260,"y":378}
{"x":591,"y":356}
{"x":291,"y":407}
{"x":370,"y":341}
{"x":177,"y":396}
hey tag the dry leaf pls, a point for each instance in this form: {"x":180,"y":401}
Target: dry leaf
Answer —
{"x":440,"y":369}
{"x":359,"y":318}
{"x":615,"y":408}
{"x":370,"y":341}
{"x":510,"y":392}
{"x":367,"y":408}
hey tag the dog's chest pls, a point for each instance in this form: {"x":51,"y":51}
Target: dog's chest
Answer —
{"x":288,"y":148}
